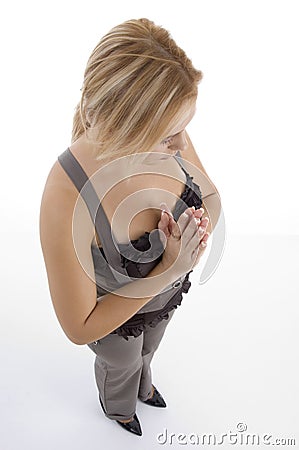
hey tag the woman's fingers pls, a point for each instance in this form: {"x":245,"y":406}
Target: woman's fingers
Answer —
{"x":204,"y":240}
{"x":168,"y":225}
{"x":202,"y":225}
{"x":198,"y":213}
{"x":187,"y":238}
{"x":165,"y":208}
{"x":173,"y":229}
{"x":164,"y":224}
{"x":186,"y":224}
{"x":176,"y":229}
{"x":200,"y":248}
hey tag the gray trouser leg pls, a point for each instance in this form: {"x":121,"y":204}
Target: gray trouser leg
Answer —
{"x":122,"y":369}
{"x":151,"y":340}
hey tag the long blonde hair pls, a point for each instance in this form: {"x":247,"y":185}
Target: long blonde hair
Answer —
{"x":135,"y":83}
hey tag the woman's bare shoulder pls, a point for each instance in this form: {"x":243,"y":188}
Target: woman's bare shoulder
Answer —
{"x":58,"y":179}
{"x":59,"y":199}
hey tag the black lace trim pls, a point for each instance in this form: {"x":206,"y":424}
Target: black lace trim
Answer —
{"x":139,"y":322}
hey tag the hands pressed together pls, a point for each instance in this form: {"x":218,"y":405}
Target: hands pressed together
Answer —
{"x":186,"y":238}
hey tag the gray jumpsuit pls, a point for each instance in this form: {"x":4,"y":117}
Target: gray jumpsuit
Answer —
{"x":123,"y":357}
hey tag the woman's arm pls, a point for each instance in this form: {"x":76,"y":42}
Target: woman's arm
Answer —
{"x":117,"y":307}
{"x":210,"y":195}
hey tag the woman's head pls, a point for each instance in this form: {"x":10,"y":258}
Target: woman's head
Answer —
{"x":136,"y":85}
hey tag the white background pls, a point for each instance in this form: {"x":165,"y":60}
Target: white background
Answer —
{"x":246,"y":127}
{"x":242,"y":362}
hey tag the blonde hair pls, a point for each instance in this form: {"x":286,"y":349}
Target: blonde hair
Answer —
{"x":135,"y":83}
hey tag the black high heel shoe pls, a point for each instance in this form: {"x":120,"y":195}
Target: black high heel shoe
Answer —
{"x":133,"y":426}
{"x":156,"y":399}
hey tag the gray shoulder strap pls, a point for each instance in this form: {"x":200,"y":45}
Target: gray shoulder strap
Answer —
{"x":98,"y":216}
{"x":180,"y":160}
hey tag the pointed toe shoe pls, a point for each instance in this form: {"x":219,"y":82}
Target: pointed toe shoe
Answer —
{"x":156,"y":399}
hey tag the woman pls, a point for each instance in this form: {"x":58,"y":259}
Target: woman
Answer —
{"x":118,"y":256}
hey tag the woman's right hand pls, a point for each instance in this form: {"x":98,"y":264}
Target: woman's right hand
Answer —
{"x":186,"y":241}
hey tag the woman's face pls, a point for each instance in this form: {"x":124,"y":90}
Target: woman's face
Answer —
{"x":175,"y":139}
